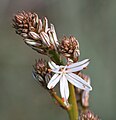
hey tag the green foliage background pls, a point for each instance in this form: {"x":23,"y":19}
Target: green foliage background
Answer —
{"x":92,"y":22}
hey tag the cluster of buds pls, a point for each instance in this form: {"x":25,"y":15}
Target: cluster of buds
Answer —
{"x":69,"y":47}
{"x":41,"y":73}
{"x":88,"y":115}
{"x":36,"y":32}
{"x":42,"y":38}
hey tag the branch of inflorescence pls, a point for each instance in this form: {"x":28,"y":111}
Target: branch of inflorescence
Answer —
{"x":72,"y":109}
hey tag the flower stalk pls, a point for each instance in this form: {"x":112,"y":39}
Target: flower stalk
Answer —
{"x":59,"y":100}
{"x":73,"y":109}
{"x":73,"y":112}
{"x":55,"y":57}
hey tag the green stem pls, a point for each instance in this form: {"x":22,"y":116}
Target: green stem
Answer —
{"x":55,"y":57}
{"x":58,"y":99}
{"x":73,"y":112}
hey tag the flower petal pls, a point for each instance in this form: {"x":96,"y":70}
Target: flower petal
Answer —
{"x":78,"y":81}
{"x":53,"y":66}
{"x":78,"y":63}
{"x":78,"y":66}
{"x":64,"y":90}
{"x":54,"y":80}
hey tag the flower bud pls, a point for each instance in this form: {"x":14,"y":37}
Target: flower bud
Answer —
{"x":83,"y":96}
{"x":24,"y":21}
{"x":88,"y":115}
{"x":69,"y":47}
{"x":41,"y":73}
{"x":34,"y":35}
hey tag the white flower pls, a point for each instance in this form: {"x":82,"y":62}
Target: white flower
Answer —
{"x":65,"y":74}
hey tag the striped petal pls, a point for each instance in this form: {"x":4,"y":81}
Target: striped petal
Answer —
{"x":54,"y":80}
{"x":64,"y":89}
{"x":52,"y":65}
{"x":78,"y":81}
{"x":78,"y":63}
{"x":78,"y":66}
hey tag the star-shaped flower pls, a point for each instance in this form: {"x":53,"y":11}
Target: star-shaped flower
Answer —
{"x":65,"y":74}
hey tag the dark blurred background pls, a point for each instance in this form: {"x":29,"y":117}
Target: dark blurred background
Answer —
{"x":92,"y":22}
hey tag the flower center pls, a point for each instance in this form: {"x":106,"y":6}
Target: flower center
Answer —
{"x":63,"y":69}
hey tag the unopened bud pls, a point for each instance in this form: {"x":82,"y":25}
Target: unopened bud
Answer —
{"x":41,"y":73}
{"x":32,"y":43}
{"x":83,"y":96}
{"x":69,"y":47}
{"x":88,"y":115}
{"x":34,"y":35}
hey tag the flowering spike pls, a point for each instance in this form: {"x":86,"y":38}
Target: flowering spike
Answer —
{"x":29,"y":26}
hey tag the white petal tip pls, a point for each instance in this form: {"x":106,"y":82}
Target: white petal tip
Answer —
{"x":91,"y":88}
{"x":87,"y":61}
{"x":88,"y":89}
{"x":49,"y":87}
